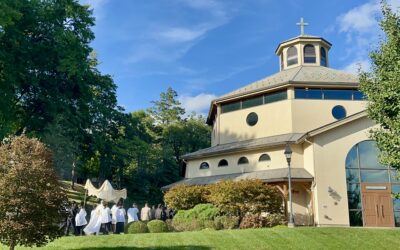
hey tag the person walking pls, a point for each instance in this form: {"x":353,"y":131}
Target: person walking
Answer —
{"x":113,"y":217}
{"x":105,"y":215}
{"x":133,"y":213}
{"x":145,"y":214}
{"x":120,"y":214}
{"x":153,"y":213}
{"x":80,"y":219}
{"x":158,"y":212}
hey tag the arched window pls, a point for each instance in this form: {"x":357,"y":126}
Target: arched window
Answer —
{"x":243,"y":160}
{"x":204,"y":165}
{"x":323,"y":57}
{"x":309,"y":54}
{"x":223,"y":163}
{"x":362,"y":166}
{"x":264,"y":157}
{"x":292,"y":56}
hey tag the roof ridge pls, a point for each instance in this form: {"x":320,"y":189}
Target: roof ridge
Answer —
{"x":300,"y":68}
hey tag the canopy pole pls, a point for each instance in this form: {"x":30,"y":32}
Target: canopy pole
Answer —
{"x":84,"y":200}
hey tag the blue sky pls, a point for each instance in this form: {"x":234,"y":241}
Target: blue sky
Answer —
{"x":206,"y":48}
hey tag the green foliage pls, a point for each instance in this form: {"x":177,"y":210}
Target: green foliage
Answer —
{"x":137,"y":227}
{"x":157,"y":226}
{"x":183,"y":197}
{"x":200,"y":217}
{"x":258,"y":220}
{"x":246,"y":196}
{"x":382,"y":89}
{"x":31,"y":198}
{"x":226,"y":222}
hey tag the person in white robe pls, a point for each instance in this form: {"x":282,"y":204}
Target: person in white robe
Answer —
{"x":80,"y":219}
{"x":113,"y":217}
{"x":120,"y":214}
{"x":105,"y":217}
{"x":145,"y":213}
{"x":93,"y":227}
{"x":133,"y":213}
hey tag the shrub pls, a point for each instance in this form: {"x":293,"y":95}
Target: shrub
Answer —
{"x":157,"y":226}
{"x":31,"y":198}
{"x":170,"y":225}
{"x":182,"y":197}
{"x":246,"y":196}
{"x":197,"y":218}
{"x":226,"y":222}
{"x":258,"y":221}
{"x":137,"y":227}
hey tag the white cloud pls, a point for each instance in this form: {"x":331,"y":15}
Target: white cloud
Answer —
{"x":360,"y":19}
{"x":198,"y":104}
{"x":356,"y":65}
{"x":179,"y":35}
{"x":97,"y":6}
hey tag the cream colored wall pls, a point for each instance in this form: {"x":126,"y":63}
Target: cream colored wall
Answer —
{"x":278,"y":160}
{"x":310,"y":114}
{"x":300,"y":51}
{"x":330,"y":151}
{"x":273,"y":119}
{"x":301,"y":206}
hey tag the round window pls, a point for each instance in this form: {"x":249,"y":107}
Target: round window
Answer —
{"x":339,"y":112}
{"x":252,"y":119}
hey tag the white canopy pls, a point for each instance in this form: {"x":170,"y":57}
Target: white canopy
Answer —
{"x":105,"y":192}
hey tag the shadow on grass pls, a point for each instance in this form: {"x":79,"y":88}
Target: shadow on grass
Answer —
{"x":148,"y":248}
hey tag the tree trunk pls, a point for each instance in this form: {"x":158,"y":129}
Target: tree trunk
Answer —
{"x":12,"y":245}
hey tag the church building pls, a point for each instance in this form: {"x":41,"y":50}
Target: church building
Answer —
{"x":320,"y":113}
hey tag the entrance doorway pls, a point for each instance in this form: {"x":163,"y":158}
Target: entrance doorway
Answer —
{"x":377,"y":205}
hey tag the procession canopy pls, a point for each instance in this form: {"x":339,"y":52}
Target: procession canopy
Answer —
{"x":105,"y":192}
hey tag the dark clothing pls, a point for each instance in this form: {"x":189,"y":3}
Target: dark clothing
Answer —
{"x":79,"y":231}
{"x":119,"y":227}
{"x":164,"y":215}
{"x":104,"y":228}
{"x":153,"y":213}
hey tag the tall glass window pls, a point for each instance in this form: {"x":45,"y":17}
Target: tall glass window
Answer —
{"x":309,"y":54}
{"x":362,"y":165}
{"x":292,"y":57}
{"x":323,"y":57}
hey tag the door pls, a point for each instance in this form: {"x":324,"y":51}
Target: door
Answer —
{"x":377,"y":205}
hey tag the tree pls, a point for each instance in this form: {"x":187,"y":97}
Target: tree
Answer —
{"x":31,"y":198}
{"x":382,"y":89}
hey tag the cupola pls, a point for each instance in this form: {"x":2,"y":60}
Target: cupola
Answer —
{"x":303,"y":50}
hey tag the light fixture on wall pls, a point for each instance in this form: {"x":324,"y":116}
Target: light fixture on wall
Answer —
{"x":288,"y":154}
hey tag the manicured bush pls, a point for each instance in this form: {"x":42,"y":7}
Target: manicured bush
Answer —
{"x":258,"y":221}
{"x":136,"y":227}
{"x":169,"y":225}
{"x":183,"y":197}
{"x":226,"y":222}
{"x":157,"y":226}
{"x":200,"y":217}
{"x":246,"y":196}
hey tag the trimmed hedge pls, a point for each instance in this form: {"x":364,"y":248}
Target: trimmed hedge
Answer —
{"x":157,"y":226}
{"x":183,"y":197}
{"x":136,"y":227}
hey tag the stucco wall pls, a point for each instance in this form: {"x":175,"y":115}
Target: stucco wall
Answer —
{"x":278,"y":160}
{"x":330,"y":151}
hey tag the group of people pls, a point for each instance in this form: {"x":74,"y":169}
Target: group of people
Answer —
{"x":105,"y":220}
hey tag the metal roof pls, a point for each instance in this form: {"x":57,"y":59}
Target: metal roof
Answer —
{"x":245,"y":145}
{"x":271,"y":175}
{"x":310,"y":75}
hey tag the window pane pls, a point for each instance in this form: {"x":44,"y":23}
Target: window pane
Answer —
{"x":338,"y":94}
{"x":357,"y":95}
{"x":374,"y":176}
{"x":352,"y":175}
{"x":353,"y":195}
{"x":301,"y":93}
{"x":394,"y":174}
{"x":309,"y":59}
{"x":339,"y":112}
{"x":369,"y":155}
{"x":274,"y":97}
{"x":351,"y":159}
{"x":356,"y":218}
{"x":396,"y":202}
{"x":397,"y":219}
{"x":230,"y":107}
{"x":252,"y":102}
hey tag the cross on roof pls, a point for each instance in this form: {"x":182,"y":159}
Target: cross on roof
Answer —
{"x":302,"y":24}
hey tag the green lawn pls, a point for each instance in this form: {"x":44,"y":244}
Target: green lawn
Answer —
{"x":274,"y":238}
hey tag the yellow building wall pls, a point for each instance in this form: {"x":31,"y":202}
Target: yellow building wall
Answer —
{"x":278,"y":160}
{"x":273,"y":119}
{"x":330,"y":151}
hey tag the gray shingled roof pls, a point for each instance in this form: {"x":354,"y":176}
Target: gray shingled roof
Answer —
{"x":245,"y":145}
{"x":310,"y":75}
{"x":271,"y":175}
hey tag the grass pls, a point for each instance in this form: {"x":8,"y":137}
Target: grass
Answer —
{"x":77,"y":194}
{"x":269,"y":238}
